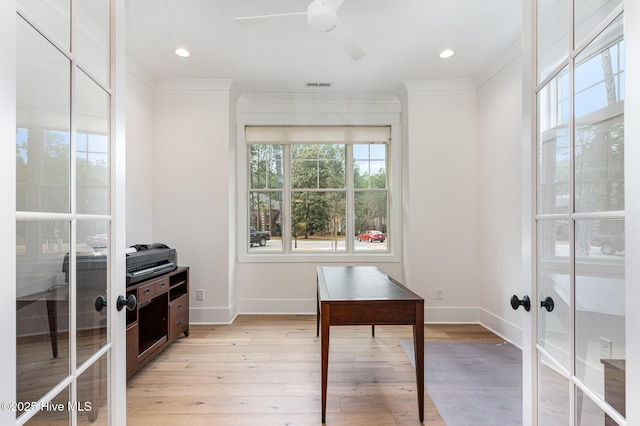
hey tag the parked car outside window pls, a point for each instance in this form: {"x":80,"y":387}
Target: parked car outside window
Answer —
{"x":609,"y":244}
{"x":372,"y":236}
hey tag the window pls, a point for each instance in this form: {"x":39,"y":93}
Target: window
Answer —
{"x":318,"y":190}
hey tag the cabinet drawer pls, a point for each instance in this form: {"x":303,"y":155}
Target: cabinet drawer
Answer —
{"x":181,"y":304}
{"x":178,"y":317}
{"x":151,"y":290}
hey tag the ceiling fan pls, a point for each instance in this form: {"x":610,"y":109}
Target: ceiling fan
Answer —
{"x":321,"y":16}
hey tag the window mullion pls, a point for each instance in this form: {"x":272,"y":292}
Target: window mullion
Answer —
{"x":350,"y":210}
{"x":286,"y":200}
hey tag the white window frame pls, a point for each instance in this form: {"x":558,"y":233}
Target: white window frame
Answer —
{"x":394,"y":177}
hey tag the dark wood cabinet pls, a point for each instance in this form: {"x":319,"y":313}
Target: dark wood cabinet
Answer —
{"x":160,"y":317}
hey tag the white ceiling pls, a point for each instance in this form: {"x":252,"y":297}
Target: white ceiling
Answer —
{"x":401,"y":38}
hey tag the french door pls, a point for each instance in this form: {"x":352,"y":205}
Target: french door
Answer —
{"x":68,"y":338}
{"x":578,"y":214}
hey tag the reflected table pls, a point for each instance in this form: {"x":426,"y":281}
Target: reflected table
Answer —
{"x":364,"y":295}
{"x":51,"y":297}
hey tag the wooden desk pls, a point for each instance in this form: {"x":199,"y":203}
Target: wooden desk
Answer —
{"x":52,"y":297}
{"x":364,"y":295}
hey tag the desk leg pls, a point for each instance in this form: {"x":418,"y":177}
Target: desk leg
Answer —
{"x":52,"y":314}
{"x":325,"y":319}
{"x":418,"y":339}
{"x":318,"y":313}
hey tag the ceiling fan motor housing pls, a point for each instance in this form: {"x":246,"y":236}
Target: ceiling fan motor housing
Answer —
{"x":321,"y":17}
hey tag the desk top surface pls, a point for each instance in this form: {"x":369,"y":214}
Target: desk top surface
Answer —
{"x":351,"y":283}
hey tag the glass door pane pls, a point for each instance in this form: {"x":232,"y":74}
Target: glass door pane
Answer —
{"x":42,"y":308}
{"x":92,"y":266}
{"x":553,"y":394}
{"x":588,"y":14}
{"x":53,"y":16}
{"x":588,"y":413}
{"x":92,"y":147}
{"x":554,"y":289}
{"x":92,"y":38}
{"x":600,"y":300}
{"x":552,"y":34}
{"x":91,"y":402}
{"x":599,"y":123}
{"x":553,"y":146}
{"x":43,"y":143}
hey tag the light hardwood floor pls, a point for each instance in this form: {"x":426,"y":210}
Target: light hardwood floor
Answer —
{"x":265,"y":370}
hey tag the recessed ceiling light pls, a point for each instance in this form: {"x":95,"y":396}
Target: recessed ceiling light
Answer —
{"x":183,"y":53}
{"x":445,"y":54}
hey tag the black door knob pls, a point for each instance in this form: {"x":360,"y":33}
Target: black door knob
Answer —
{"x":130,"y":302}
{"x":100,"y":303}
{"x":547,"y":303}
{"x":525,"y":302}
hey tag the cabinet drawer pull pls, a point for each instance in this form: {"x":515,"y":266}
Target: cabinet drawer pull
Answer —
{"x":179,"y":307}
{"x":179,"y":324}
{"x":147,"y":291}
{"x":162,"y":285}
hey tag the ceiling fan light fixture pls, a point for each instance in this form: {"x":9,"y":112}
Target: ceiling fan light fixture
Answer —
{"x":182,"y":52}
{"x":321,"y":17}
{"x":446,"y":54}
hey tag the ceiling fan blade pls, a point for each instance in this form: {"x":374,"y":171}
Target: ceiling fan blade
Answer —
{"x":344,"y":39}
{"x":280,"y":17}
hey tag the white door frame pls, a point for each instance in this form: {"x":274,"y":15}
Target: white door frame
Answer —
{"x":117,"y":363}
{"x":632,"y":209}
{"x":7,"y":206}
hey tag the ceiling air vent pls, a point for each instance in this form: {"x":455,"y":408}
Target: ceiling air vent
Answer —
{"x":316,"y":84}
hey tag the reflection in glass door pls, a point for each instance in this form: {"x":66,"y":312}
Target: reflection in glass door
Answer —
{"x":63,"y":228}
{"x":580,"y":241}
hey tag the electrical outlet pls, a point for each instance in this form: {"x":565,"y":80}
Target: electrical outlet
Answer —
{"x":200,"y":294}
{"x":439,"y":294}
{"x":605,"y":348}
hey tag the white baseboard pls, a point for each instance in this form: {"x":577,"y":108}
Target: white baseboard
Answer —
{"x":450,"y":315}
{"x":508,"y":331}
{"x":212,"y":315}
{"x":277,"y":306}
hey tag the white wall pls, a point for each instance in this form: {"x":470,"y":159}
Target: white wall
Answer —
{"x":441,"y":198}
{"x":191,"y":181}
{"x":139,"y":134}
{"x":288,"y":288}
{"x":499,"y":185}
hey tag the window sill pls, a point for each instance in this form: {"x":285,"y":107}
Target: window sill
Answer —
{"x":318,"y":258}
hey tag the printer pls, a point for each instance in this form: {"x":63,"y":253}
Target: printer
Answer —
{"x":145,"y":261}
